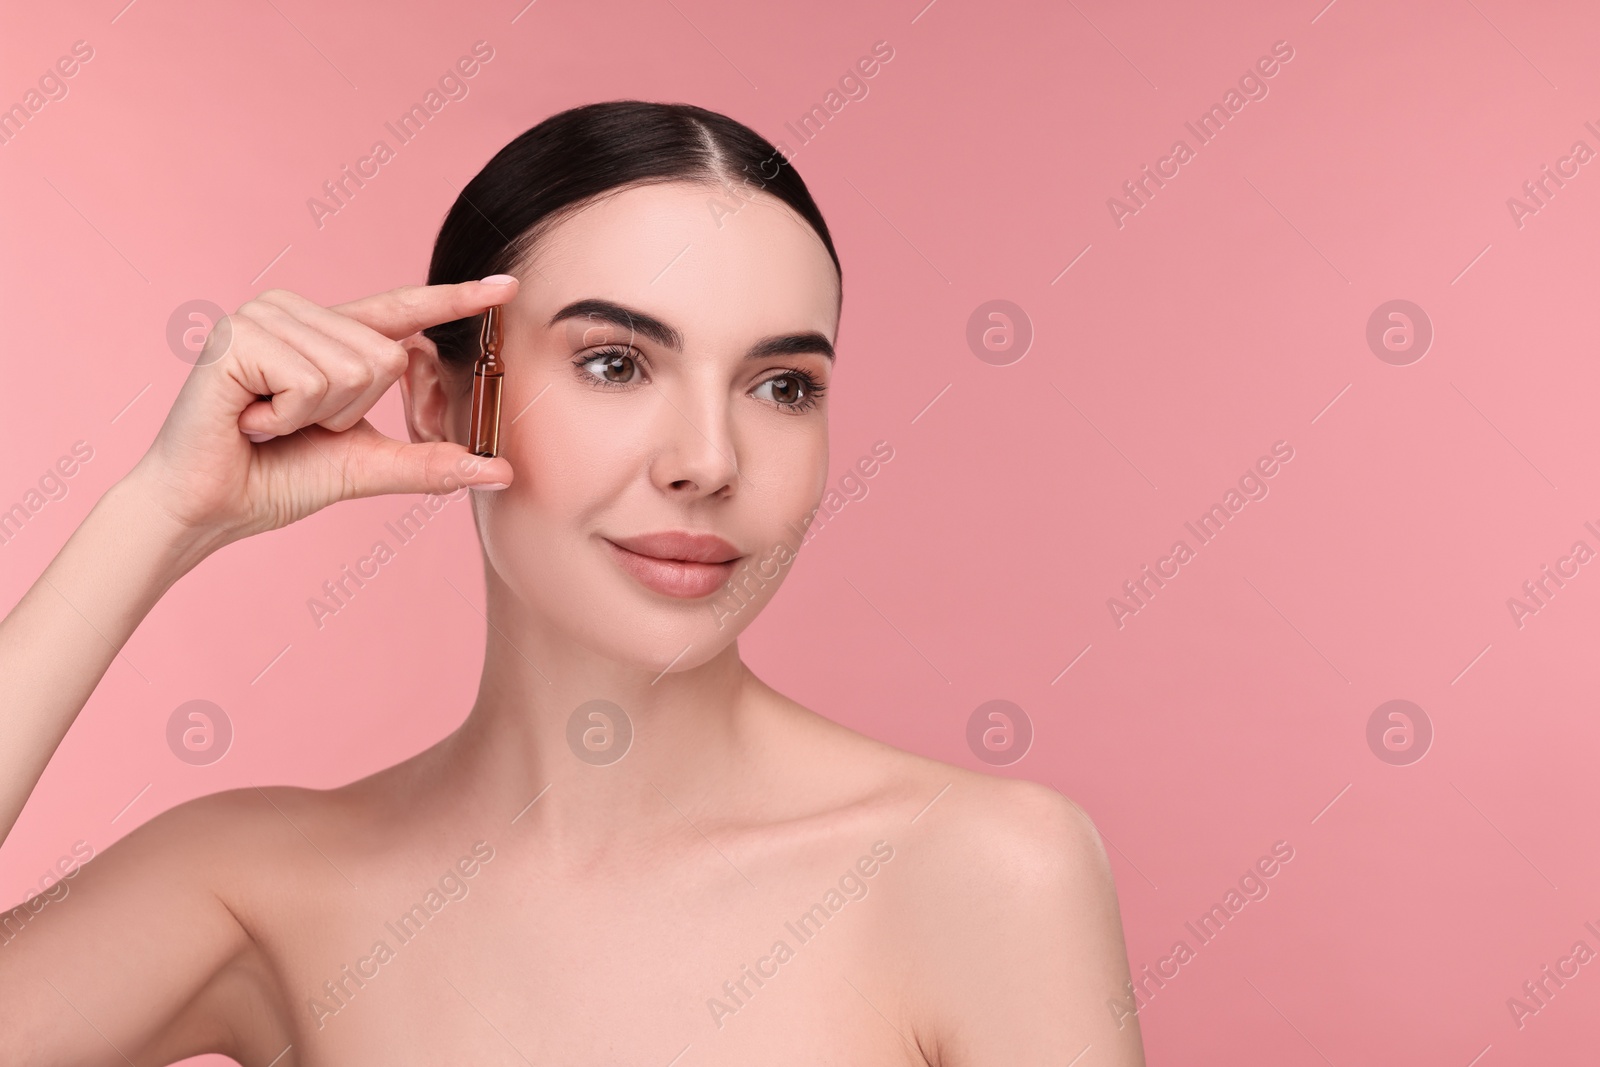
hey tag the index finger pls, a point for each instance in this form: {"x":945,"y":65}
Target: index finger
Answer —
{"x":401,"y":312}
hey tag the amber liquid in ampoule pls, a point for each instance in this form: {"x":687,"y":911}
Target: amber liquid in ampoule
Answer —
{"x":485,"y":429}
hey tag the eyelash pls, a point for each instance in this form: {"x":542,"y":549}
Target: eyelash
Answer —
{"x":811,"y":388}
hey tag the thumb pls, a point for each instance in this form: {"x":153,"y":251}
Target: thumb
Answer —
{"x":380,"y":464}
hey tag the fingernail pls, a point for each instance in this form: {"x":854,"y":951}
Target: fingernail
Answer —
{"x":491,"y":485}
{"x":259,"y":437}
{"x":499,"y":279}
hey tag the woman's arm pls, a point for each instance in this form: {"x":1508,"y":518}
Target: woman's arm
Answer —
{"x":54,"y":647}
{"x":282,"y":368}
{"x":56,"y":644}
{"x":134,"y":954}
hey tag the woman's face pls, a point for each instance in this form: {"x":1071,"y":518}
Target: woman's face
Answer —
{"x":666,"y":356}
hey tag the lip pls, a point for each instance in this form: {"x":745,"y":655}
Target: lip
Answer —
{"x":676,"y":563}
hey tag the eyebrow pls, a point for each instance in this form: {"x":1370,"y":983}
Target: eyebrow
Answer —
{"x":662,"y":334}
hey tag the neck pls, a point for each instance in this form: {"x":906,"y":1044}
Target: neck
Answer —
{"x":683,"y":734}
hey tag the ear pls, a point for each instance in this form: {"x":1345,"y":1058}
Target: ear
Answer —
{"x":426,"y":390}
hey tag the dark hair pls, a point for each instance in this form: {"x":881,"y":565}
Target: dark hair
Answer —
{"x":581,"y":153}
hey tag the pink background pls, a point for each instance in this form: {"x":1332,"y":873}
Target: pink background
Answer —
{"x":1228,"y":714}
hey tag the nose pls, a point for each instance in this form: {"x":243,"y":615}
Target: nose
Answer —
{"x":696,"y":456}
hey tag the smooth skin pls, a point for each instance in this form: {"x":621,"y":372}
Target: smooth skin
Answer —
{"x":580,"y":913}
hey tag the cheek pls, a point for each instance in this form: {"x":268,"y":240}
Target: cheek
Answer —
{"x":572,"y":461}
{"x":571,"y":467}
{"x":782,"y":475}
{"x":796,"y":469}
{"x":573,"y":456}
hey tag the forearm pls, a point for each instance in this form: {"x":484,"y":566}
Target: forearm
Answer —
{"x":58,"y":641}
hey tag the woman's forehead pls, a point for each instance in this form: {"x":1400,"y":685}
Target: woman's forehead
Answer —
{"x":695,"y":255}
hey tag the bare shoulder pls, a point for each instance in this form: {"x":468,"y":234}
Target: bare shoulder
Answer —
{"x":243,"y":820}
{"x":163,"y":902}
{"x":1030,"y":838}
{"x":245,"y":845}
{"x":187,"y":900}
{"x":982,"y":837}
{"x":196,"y":833}
{"x":993,"y":879}
{"x":986,"y":832}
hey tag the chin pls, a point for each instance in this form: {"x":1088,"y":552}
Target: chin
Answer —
{"x":649,"y":631}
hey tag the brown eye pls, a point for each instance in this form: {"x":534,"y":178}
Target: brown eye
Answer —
{"x":792,"y":392}
{"x":610,"y":367}
{"x":617,"y":368}
{"x":786,"y":389}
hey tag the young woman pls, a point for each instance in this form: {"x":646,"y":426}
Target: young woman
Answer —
{"x":632,"y":850}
